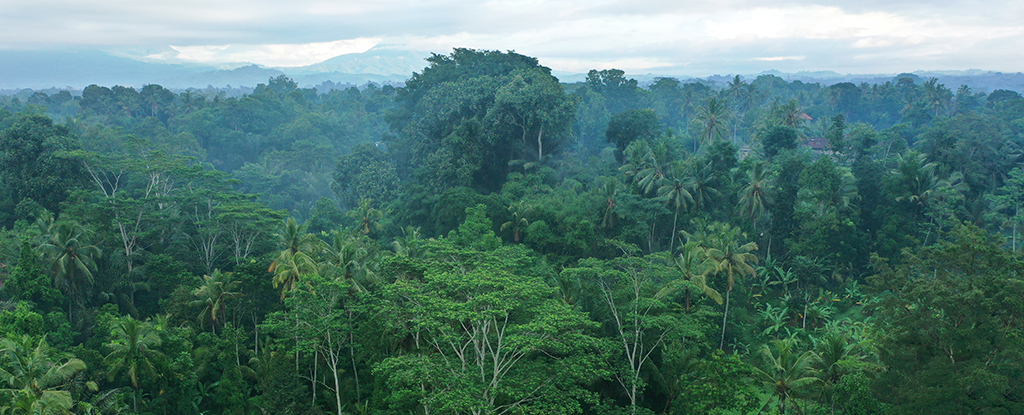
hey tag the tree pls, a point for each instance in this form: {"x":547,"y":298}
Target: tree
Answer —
{"x":133,"y":352}
{"x":948,"y":312}
{"x":536,"y":104}
{"x":786,"y":372}
{"x":38,"y":163}
{"x":367,"y":216}
{"x":35,"y":384}
{"x":217,"y":288}
{"x":484,"y":336}
{"x":689,"y":262}
{"x":674,"y":191}
{"x":323,"y":321}
{"x":635,"y":316}
{"x":70,"y":259}
{"x":519,"y":221}
{"x":755,"y":197}
{"x":629,"y":126}
{"x":714,"y":120}
{"x":295,"y":259}
{"x":726,"y":254}
{"x":777,"y":139}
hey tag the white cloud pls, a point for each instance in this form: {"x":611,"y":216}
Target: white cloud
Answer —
{"x":273,"y":54}
{"x":575,"y":35}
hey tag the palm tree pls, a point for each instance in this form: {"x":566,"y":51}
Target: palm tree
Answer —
{"x":519,"y":220}
{"x":367,"y":216}
{"x":37,"y":384}
{"x":132,"y":351}
{"x":70,"y":259}
{"x":688,"y":263}
{"x":674,"y":191}
{"x":610,"y":190}
{"x":714,"y":117}
{"x":725,"y":255}
{"x":702,"y":187}
{"x":214,"y":294}
{"x":289,"y":268}
{"x":786,"y":372}
{"x":408,"y":244}
{"x":295,"y":259}
{"x":754,"y":198}
{"x":293,"y":238}
{"x":655,"y":169}
{"x":346,"y":260}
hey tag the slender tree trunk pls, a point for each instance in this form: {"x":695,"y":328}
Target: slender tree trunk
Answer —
{"x":540,"y":145}
{"x":675,"y":221}
{"x":725,"y":318}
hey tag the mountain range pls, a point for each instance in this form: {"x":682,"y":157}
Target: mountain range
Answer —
{"x":76,"y":69}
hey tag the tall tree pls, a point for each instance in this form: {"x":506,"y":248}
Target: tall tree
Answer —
{"x":714,"y":118}
{"x":484,"y":336}
{"x":726,"y":254}
{"x":35,"y":383}
{"x":213,"y":295}
{"x":755,"y":197}
{"x":674,"y":191}
{"x":70,"y":259}
{"x":37,"y":164}
{"x":133,"y":352}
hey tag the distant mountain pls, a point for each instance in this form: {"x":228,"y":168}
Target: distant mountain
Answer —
{"x":245,"y":76}
{"x":40,"y":69}
{"x":77,"y":69}
{"x":80,"y":68}
{"x":384,"y":63}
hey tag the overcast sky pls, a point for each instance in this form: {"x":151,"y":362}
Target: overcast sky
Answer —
{"x":683,"y":37}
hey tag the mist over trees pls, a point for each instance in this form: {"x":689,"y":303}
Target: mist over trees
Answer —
{"x":489,"y":240}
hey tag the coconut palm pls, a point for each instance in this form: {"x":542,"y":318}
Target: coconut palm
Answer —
{"x":368,"y":217}
{"x":702,"y":187}
{"x":714,"y":118}
{"x":785,"y":371}
{"x":609,"y":191}
{"x":519,"y":221}
{"x":133,"y":352}
{"x":213,"y":295}
{"x":289,"y":269}
{"x":673,"y":190}
{"x":346,"y":260}
{"x":295,"y":258}
{"x":688,"y":263}
{"x":33,"y":382}
{"x":409,"y":243}
{"x":755,"y":197}
{"x":70,"y":259}
{"x":726,"y":255}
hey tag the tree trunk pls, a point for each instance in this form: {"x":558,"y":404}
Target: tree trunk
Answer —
{"x":675,"y":221}
{"x":725,"y":318}
{"x":540,"y":145}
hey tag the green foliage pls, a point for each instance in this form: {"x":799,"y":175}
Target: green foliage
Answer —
{"x":477,"y":232}
{"x":598,"y":307}
{"x":953,"y":312}
{"x":632,"y":125}
{"x":778,"y":139}
{"x":515,"y":347}
{"x":27,"y":282}
{"x":37,"y":163}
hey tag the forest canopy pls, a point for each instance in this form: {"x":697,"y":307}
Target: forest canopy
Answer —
{"x":487,"y":239}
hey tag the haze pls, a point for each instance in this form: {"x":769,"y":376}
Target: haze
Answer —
{"x":678,"y":37}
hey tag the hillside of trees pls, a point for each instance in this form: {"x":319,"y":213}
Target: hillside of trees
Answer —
{"x":488,"y":240}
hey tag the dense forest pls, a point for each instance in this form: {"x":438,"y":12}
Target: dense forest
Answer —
{"x":488,"y":240}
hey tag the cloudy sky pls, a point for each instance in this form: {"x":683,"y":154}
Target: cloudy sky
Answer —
{"x":683,"y":37}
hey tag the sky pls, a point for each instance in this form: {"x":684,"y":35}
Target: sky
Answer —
{"x":680,"y":37}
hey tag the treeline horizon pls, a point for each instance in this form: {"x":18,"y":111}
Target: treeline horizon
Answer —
{"x":486,"y":239}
